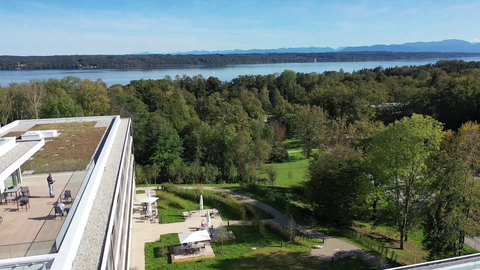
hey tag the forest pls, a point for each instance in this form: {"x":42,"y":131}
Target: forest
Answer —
{"x":398,"y":147}
{"x":167,"y":60}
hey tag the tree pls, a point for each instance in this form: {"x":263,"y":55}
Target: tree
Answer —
{"x":35,"y":95}
{"x":5,"y":105}
{"x":310,"y":127}
{"x":165,"y":146}
{"x":337,"y":187}
{"x":401,"y":152}
{"x":454,"y":210}
{"x":93,"y":98}
{"x":272,"y":174}
{"x":21,"y":107}
{"x":60,"y":105}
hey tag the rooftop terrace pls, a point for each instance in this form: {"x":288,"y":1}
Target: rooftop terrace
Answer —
{"x":32,"y":231}
{"x":35,"y":230}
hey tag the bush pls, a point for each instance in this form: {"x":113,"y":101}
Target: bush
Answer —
{"x":279,"y":153}
{"x":301,"y":240}
{"x":163,"y":204}
{"x":272,"y":174}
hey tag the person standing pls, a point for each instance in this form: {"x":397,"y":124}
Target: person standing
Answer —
{"x":50,"y":182}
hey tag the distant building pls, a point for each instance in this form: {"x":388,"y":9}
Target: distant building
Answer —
{"x":92,"y":158}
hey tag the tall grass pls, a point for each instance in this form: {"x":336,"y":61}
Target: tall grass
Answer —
{"x":369,"y":243}
{"x":172,"y":199}
{"x":287,"y":234}
{"x":227,"y":202}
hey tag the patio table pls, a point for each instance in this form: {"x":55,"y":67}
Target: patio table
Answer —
{"x":13,"y":190}
{"x":192,"y":249}
{"x":10,"y":192}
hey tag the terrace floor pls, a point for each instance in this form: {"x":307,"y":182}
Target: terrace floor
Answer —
{"x":32,"y":231}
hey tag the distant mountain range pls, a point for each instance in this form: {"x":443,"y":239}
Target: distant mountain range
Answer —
{"x":447,"y":46}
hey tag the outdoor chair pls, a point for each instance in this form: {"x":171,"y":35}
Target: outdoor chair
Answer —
{"x":25,"y":191}
{"x":24,"y":201}
{"x":67,"y":195}
{"x":59,"y":211}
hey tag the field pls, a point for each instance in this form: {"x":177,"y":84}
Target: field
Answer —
{"x":71,"y":150}
{"x":292,"y":145}
{"x":238,"y":254}
{"x":291,"y":172}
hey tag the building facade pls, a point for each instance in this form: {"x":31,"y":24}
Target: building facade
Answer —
{"x":91,"y":157}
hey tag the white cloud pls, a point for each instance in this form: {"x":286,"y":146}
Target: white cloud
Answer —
{"x":476,"y":40}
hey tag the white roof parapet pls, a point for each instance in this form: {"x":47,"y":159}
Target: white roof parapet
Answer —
{"x":6,"y":144}
{"x":17,"y":156}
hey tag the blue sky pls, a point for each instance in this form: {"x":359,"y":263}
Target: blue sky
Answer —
{"x":58,"y":27}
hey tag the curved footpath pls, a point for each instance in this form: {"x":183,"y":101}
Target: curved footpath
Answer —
{"x":332,"y":247}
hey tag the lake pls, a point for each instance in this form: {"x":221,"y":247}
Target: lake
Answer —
{"x":224,"y":73}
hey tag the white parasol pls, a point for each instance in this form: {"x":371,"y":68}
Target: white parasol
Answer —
{"x":149,"y":208}
{"x":191,"y":237}
{"x":208,"y":219}
{"x":201,"y":202}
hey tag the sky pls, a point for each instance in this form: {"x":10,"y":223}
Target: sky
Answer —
{"x":61,"y":27}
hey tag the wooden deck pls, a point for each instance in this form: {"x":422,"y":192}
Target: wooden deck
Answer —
{"x":204,"y":254}
{"x":32,"y":231}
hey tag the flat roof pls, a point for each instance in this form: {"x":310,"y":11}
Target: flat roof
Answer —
{"x":91,"y":246}
{"x":21,"y":149}
{"x":36,"y":231}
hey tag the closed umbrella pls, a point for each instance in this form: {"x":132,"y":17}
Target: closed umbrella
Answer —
{"x":201,"y":202}
{"x":208,"y":219}
{"x":149,"y":208}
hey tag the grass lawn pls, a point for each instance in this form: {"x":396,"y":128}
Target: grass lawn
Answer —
{"x":238,"y":254}
{"x":297,"y":165}
{"x":292,"y":145}
{"x":140,"y":191}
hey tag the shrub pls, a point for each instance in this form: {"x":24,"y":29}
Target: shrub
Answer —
{"x":272,"y":174}
{"x":172,"y":199}
{"x":163,"y":204}
{"x":301,"y":240}
{"x":279,"y":153}
{"x":262,"y":230}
